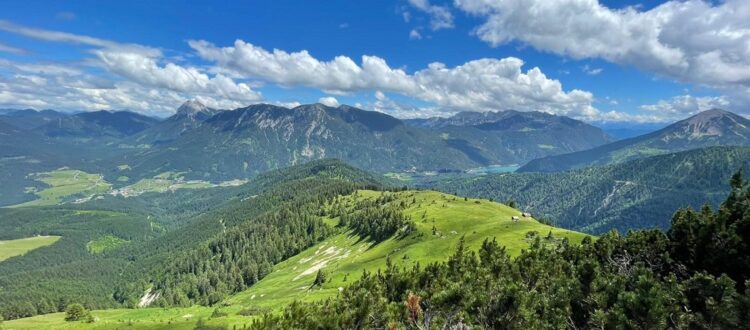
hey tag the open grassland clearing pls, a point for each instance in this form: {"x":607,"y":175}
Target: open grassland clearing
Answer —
{"x":21,"y":246}
{"x":65,"y":184}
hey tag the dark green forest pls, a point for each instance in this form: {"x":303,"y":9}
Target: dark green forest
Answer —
{"x":694,"y":276}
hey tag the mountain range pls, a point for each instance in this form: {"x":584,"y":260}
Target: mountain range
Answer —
{"x":216,"y":144}
{"x":246,"y":141}
{"x":709,"y":128}
{"x":514,"y":137}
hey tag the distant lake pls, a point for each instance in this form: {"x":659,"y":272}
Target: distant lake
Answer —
{"x":492,"y":169}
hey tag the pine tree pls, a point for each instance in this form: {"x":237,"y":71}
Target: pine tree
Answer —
{"x":76,"y":312}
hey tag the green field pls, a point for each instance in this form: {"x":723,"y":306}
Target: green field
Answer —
{"x":342,"y":257}
{"x":164,"y":182}
{"x":104,"y":243}
{"x":145,"y":318}
{"x":67,"y":183}
{"x":19,"y":247}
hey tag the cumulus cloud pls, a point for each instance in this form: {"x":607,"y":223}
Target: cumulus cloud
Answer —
{"x":83,"y":92}
{"x":146,"y":71}
{"x":140,"y":79}
{"x":684,"y":105}
{"x":339,"y":75}
{"x":440,"y":16}
{"x":329,"y":101}
{"x":691,"y":41}
{"x":290,"y":105}
{"x":484,"y":84}
{"x":401,"y":110}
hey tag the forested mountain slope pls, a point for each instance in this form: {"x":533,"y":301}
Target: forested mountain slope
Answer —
{"x":709,"y":128}
{"x":684,"y":279}
{"x":243,"y":142}
{"x":514,"y":137}
{"x":636,"y":194}
{"x":149,"y":232}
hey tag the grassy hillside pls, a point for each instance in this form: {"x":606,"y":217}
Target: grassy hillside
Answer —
{"x":184,"y":318}
{"x":19,"y":247}
{"x":345,"y":256}
{"x":440,"y":221}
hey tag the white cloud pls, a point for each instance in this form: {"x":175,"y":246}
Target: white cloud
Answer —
{"x":690,"y":41}
{"x":290,"y":105}
{"x":415,"y":35}
{"x":680,"y":106}
{"x":479,"y":85}
{"x":138,"y":79}
{"x":340,"y":75}
{"x":384,"y":104}
{"x":58,"y":36}
{"x":406,"y":16}
{"x":590,"y":70}
{"x":40,"y":68}
{"x":329,"y":101}
{"x":86,"y":93}
{"x":440,"y":16}
{"x":146,"y":71}
{"x":11,"y":50}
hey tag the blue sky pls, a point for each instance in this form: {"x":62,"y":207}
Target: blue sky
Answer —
{"x":607,"y":61}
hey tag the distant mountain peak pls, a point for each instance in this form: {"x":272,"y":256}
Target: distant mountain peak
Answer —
{"x":709,"y":115}
{"x":709,"y":128}
{"x":714,"y":123}
{"x":192,"y":107}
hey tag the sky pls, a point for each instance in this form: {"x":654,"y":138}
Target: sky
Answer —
{"x":598,"y":61}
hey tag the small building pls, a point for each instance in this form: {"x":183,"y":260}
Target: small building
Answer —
{"x":526,"y":214}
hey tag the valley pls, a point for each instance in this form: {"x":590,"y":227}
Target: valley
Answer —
{"x":66,"y":185}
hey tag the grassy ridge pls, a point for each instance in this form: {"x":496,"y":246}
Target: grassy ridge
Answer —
{"x":19,"y":247}
{"x":344,"y":257}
